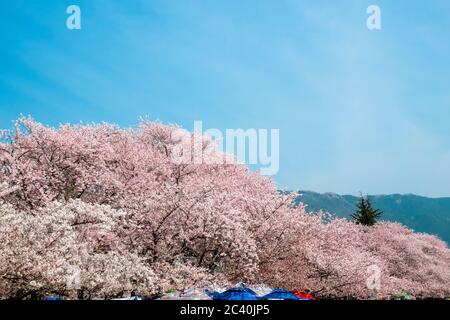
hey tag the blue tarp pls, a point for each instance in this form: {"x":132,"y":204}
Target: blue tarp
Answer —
{"x":280,"y":294}
{"x":236,"y":293}
{"x":133,"y":298}
{"x":242,"y":292}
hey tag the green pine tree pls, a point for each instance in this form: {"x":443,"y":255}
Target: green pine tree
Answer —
{"x":365,"y":213}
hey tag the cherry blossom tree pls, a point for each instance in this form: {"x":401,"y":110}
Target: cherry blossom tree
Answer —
{"x":176,"y":213}
{"x":68,"y":250}
{"x":322,"y":255}
{"x":116,"y":205}
{"x":414,"y":262}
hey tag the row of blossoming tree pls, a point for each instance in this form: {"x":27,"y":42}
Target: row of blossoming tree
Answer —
{"x":111,"y":207}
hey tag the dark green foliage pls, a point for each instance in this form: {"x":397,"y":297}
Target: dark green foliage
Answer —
{"x":365,"y":213}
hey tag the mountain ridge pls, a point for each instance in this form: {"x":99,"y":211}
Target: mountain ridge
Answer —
{"x":420,"y":213}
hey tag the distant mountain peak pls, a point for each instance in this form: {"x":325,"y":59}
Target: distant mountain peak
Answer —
{"x":423,"y":214}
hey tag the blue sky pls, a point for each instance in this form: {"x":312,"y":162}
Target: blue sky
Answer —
{"x":357,"y":110}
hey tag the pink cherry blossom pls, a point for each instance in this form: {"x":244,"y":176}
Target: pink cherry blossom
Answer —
{"x":113,"y":204}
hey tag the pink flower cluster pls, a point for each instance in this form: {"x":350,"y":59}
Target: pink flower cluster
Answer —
{"x":111,"y":204}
